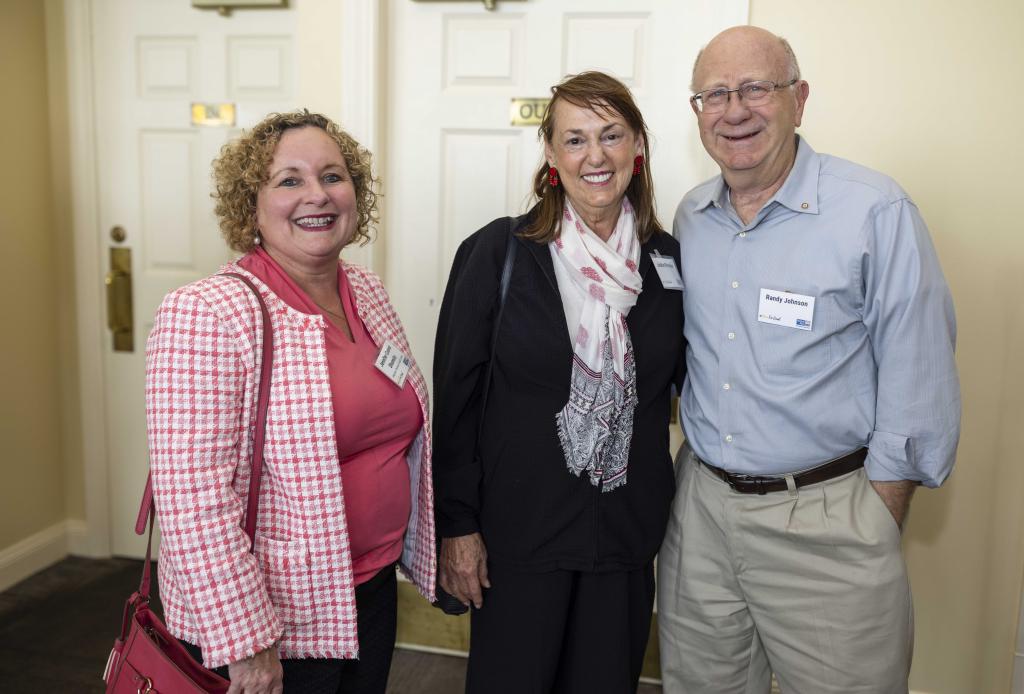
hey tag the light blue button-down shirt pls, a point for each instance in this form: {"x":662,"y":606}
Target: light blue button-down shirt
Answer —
{"x":877,"y":367}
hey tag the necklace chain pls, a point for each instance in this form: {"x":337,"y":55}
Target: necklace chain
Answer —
{"x":333,"y":313}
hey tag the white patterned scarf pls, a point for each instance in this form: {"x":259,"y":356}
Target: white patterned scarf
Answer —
{"x":596,"y":425}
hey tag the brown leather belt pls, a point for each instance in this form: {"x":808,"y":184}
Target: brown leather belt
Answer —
{"x":754,"y":484}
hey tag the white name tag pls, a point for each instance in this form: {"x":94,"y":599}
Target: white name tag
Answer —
{"x":393,"y":363}
{"x":667,"y":271}
{"x":786,"y":308}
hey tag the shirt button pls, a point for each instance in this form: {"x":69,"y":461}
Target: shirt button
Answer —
{"x":726,"y":386}
{"x":735,"y":284}
{"x":743,"y":234}
{"x":728,"y":438}
{"x":732,"y":336}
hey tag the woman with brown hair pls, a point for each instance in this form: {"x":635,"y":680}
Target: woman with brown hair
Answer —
{"x":552,"y":465}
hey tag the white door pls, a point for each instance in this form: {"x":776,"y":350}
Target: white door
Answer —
{"x":454,"y":161}
{"x":152,"y":59}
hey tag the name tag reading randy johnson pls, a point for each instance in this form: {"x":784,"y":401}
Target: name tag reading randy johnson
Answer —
{"x":786,"y":308}
{"x":393,"y":363}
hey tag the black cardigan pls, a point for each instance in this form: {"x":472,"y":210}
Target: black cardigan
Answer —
{"x":514,"y":487}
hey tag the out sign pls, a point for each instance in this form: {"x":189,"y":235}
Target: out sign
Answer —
{"x":527,"y":111}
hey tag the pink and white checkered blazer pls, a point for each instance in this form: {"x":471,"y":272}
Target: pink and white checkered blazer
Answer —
{"x":202,"y":373}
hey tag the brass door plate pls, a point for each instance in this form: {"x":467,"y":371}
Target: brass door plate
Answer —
{"x":213,"y":115}
{"x":120,"y":317}
{"x":526,"y":111}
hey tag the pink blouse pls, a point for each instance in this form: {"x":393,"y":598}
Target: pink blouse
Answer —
{"x":375,"y":422}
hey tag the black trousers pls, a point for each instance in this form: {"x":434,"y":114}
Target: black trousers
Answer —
{"x":377,"y":612}
{"x":560,"y":632}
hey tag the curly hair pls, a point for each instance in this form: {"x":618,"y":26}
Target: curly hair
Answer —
{"x":243,"y":166}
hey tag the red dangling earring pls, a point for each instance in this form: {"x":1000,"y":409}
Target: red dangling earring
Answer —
{"x":638,"y":164}
{"x":553,"y":176}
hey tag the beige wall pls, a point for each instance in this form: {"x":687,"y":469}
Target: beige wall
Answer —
{"x":31,"y":457}
{"x":924,"y":91}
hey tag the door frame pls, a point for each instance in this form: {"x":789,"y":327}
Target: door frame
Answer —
{"x":69,"y":39}
{"x":76,"y":35}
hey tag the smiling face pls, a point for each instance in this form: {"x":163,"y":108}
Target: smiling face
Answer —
{"x":306,"y":211}
{"x":754,"y":146}
{"x":593,"y":152}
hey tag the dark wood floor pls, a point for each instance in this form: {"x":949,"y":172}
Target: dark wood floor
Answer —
{"x":56,"y":629}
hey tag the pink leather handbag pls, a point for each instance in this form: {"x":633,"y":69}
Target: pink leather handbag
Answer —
{"x":146,"y":657}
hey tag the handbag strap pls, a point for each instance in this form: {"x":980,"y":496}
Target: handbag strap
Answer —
{"x":147,"y":511}
{"x":506,"y":278}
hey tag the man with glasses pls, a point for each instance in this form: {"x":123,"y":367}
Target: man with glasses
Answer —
{"x":821,"y":390}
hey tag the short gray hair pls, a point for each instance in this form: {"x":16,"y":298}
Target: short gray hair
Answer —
{"x":792,"y":66}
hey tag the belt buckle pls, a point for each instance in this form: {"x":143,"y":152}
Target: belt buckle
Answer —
{"x":756,"y":480}
{"x":732,"y":480}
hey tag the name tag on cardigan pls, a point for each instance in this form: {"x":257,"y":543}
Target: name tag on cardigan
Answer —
{"x":393,"y":363}
{"x":667,"y":271}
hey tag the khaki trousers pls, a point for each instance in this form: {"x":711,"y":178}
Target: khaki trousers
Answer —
{"x":808,"y":584}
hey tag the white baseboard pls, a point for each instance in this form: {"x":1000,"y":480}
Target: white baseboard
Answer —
{"x":36,"y":552}
{"x":79,"y":542}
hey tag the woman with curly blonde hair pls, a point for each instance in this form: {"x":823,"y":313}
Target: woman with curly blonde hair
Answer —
{"x":346,"y":491}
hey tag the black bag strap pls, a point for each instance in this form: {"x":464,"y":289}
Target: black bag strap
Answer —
{"x":506,"y":278}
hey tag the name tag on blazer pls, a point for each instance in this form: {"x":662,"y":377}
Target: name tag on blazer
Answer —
{"x":393,"y":363}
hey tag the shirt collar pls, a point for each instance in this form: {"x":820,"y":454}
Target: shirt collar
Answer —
{"x":799,"y":193}
{"x":717,"y":194}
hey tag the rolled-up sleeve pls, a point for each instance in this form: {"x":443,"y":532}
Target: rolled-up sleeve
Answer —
{"x":908,"y":312}
{"x":195,"y":385}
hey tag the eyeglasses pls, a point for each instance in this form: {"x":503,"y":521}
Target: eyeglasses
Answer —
{"x":717,"y":99}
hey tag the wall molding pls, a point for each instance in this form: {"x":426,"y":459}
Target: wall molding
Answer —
{"x":79,"y":543}
{"x":34,"y":553}
{"x":1017,"y":681}
{"x":70,"y":22}
{"x":361,"y":79}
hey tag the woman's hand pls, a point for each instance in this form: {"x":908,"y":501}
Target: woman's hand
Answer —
{"x":258,"y":674}
{"x":463,"y":570}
